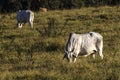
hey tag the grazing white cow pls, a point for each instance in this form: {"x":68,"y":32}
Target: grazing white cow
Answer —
{"x":24,"y":16}
{"x":84,"y":45}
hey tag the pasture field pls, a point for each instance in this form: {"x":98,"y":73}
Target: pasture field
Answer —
{"x":37,"y":54}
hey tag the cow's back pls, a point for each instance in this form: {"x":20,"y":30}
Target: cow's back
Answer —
{"x":24,"y":15}
{"x":90,"y":40}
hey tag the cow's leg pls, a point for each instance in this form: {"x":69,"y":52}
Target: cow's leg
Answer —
{"x":74,"y":60}
{"x":93,"y":55}
{"x":31,"y":24}
{"x":99,"y":47}
{"x":75,"y":57}
{"x":70,"y":57}
{"x":100,"y":54}
{"x":70,"y":60}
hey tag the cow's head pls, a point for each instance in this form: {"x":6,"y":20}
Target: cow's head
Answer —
{"x":69,"y":56}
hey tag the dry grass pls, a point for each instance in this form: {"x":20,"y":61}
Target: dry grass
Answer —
{"x":37,"y":54}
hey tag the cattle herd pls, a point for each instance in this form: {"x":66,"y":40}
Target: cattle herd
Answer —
{"x":77,"y":44}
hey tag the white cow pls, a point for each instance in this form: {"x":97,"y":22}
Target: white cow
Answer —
{"x":24,"y":16}
{"x":84,"y":45}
